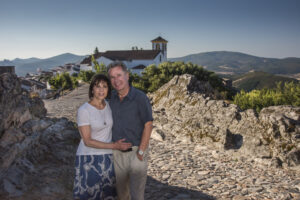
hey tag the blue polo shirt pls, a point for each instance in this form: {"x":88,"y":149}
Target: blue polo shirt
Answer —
{"x":130,"y":115}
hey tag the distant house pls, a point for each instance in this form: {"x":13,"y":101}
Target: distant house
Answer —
{"x":46,"y":73}
{"x":32,"y":85}
{"x":7,"y":69}
{"x":135,"y":58}
{"x":85,"y":67}
{"x":71,"y":68}
{"x":58,"y":70}
{"x":37,"y":87}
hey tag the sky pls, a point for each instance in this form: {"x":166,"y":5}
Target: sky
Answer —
{"x":46,"y":28}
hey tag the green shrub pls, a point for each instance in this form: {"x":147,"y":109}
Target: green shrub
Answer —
{"x":284,"y":94}
{"x":63,"y":81}
{"x":153,"y":77}
{"x":99,"y":68}
{"x":86,"y":76}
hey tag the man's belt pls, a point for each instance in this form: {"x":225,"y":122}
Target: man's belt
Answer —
{"x":128,"y":150}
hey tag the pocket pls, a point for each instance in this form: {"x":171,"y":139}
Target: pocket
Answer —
{"x":145,"y":156}
{"x":139,"y":165}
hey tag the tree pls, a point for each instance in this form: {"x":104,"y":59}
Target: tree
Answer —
{"x":103,"y":69}
{"x":96,"y":64}
{"x":99,"y":68}
{"x":86,"y":76}
{"x":96,"y":51}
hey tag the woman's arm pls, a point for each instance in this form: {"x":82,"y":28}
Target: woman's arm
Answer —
{"x":85,"y":132}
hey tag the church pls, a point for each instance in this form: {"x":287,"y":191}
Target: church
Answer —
{"x":135,"y":58}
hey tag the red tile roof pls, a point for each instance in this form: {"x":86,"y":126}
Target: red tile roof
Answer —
{"x":126,"y":55}
{"x":88,"y":59}
{"x":131,"y":55}
{"x":139,"y":67}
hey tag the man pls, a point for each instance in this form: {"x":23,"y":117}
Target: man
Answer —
{"x":132,"y":120}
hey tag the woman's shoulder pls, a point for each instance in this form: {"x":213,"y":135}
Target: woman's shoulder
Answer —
{"x":84,"y":106}
{"x":107,"y":102}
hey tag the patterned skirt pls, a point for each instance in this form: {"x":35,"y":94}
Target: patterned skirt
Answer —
{"x":94,"y":177}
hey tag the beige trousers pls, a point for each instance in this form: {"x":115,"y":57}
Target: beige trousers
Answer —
{"x":131,"y":174}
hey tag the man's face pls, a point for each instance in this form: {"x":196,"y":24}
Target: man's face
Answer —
{"x":119,"y":78}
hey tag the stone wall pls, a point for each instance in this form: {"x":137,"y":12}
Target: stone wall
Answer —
{"x":7,"y":69}
{"x":15,"y":104}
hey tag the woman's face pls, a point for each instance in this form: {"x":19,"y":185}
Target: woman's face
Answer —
{"x":100,"y":90}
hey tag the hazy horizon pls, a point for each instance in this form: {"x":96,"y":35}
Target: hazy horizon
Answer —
{"x":129,"y":49}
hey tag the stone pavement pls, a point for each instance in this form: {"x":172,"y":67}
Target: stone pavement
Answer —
{"x":67,"y":105}
{"x":185,"y":170}
{"x":179,"y":170}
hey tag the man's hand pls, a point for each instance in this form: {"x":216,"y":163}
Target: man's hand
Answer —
{"x":140,"y":157}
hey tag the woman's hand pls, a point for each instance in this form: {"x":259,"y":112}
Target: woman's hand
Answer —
{"x":121,"y":145}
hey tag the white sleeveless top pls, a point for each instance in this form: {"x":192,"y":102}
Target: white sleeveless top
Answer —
{"x":101,"y":123}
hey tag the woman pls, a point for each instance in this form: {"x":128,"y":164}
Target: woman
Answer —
{"x":95,"y":178}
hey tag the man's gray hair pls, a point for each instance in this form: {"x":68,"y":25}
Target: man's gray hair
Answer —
{"x":117,"y":64}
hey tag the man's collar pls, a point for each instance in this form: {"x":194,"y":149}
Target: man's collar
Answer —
{"x":130,"y":94}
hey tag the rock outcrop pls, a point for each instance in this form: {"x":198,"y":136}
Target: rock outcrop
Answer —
{"x":37,"y":153}
{"x":184,"y":107}
{"x":16,"y":106}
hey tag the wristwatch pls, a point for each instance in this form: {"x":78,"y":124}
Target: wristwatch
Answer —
{"x":140,"y":152}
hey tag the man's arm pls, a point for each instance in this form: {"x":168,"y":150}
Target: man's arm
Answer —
{"x":145,"y":138}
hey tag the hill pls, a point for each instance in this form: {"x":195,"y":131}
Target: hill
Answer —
{"x":30,"y":65}
{"x":227,"y":62}
{"x":258,"y":80}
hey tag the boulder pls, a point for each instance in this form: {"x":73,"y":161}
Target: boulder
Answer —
{"x":185,"y":107}
{"x":15,"y":104}
{"x":36,"y":153}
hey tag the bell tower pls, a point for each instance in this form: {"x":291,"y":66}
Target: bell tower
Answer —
{"x":160,"y":44}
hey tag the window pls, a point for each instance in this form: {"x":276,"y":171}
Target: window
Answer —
{"x":157,"y":47}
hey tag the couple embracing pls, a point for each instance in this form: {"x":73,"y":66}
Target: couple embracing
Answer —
{"x":111,"y":159}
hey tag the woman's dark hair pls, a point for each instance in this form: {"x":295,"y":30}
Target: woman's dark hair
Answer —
{"x":97,"y":78}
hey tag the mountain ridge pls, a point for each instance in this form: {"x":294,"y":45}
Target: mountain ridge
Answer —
{"x":239,"y":63}
{"x":226,"y":62}
{"x":30,"y":65}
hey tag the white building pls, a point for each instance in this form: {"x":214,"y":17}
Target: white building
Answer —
{"x":71,"y":68}
{"x":135,"y":58}
{"x":37,"y":87}
{"x":86,"y":67}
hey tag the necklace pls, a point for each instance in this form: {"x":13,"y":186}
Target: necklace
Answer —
{"x":104,"y":117}
{"x":101,"y":108}
{"x":104,"y":114}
